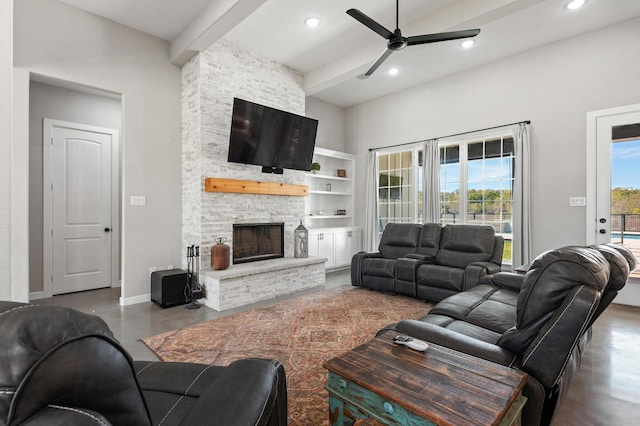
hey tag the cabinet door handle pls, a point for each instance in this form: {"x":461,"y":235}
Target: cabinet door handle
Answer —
{"x":350,"y":234}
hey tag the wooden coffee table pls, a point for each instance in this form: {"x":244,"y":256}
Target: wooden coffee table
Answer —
{"x":399,"y":386}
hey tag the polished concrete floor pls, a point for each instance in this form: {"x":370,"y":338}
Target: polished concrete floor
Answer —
{"x":606,"y":390}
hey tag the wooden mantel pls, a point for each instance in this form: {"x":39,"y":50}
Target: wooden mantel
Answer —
{"x":254,"y":187}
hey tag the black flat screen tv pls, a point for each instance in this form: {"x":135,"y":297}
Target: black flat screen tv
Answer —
{"x":271,"y":138}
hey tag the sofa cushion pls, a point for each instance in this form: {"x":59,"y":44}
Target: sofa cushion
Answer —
{"x":462,"y":327}
{"x":429,"y":239}
{"x":379,"y":267}
{"x":440,"y":277}
{"x":484,"y":306}
{"x":399,"y":239}
{"x":461,"y":245}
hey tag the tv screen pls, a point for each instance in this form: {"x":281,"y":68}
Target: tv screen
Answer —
{"x":270,"y":137}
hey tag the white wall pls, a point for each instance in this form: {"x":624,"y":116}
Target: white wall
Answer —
{"x":330,"y":123}
{"x":62,"y":42}
{"x":47,"y":101}
{"x":553,"y":86}
{"x":6,"y":100}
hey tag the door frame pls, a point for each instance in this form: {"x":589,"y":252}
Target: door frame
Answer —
{"x":598,"y":122}
{"x":47,"y":205}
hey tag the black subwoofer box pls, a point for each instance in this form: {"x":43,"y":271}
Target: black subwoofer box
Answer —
{"x":167,"y":287}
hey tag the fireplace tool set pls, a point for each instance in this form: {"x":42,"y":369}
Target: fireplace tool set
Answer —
{"x":193,"y":289}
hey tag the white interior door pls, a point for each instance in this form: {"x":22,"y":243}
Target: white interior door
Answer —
{"x":79,"y":164}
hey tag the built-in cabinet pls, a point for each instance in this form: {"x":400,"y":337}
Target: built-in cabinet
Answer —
{"x":337,"y":245}
{"x":329,"y":208}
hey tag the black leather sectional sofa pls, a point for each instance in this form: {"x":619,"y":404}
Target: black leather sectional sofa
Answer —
{"x":539,"y":323}
{"x":59,"y":366}
{"x":429,"y":261}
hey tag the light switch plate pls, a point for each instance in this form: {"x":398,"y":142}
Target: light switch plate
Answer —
{"x":577,"y":201}
{"x":137,"y":200}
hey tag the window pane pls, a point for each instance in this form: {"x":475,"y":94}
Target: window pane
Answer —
{"x":406,"y":159}
{"x":396,"y":188}
{"x":507,"y":148}
{"x":475,"y":151}
{"x":394,"y":161}
{"x":383,"y":163}
{"x":493,"y":168}
{"x":493,"y":148}
{"x":450,"y":154}
{"x":487,"y":193}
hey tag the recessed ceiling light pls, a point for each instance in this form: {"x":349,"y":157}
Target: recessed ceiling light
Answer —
{"x":575,"y":4}
{"x":467,"y":44}
{"x":393,"y":71}
{"x":312,"y":22}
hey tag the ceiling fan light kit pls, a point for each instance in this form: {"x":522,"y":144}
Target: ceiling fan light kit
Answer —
{"x":395,"y":39}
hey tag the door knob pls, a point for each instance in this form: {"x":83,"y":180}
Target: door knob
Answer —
{"x":107,"y":229}
{"x":603,"y":231}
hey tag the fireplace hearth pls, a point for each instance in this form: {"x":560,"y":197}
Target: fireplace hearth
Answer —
{"x":257,"y":241}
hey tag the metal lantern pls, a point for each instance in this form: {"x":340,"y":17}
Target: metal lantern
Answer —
{"x":301,"y":241}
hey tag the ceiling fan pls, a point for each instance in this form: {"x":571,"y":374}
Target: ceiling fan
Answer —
{"x":396,"y":41}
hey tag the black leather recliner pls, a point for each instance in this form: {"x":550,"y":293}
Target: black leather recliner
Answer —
{"x":539,"y":323}
{"x":61,"y":367}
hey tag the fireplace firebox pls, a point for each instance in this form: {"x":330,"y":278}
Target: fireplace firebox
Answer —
{"x":257,"y":241}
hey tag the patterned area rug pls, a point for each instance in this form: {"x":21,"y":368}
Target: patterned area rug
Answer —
{"x":301,"y":333}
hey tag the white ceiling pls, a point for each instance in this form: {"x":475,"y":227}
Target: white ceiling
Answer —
{"x":332,"y":55}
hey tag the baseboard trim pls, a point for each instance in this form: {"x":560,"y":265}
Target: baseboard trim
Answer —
{"x":126,"y":301}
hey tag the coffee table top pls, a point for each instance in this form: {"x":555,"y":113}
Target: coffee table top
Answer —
{"x":441,"y":385}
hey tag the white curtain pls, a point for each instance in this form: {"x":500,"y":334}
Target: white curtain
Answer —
{"x":431,"y":182}
{"x":370,"y":232}
{"x":521,"y":250}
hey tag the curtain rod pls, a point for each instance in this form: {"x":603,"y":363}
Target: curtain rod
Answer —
{"x":455,"y":134}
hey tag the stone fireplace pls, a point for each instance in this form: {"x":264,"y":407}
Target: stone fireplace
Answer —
{"x":210,"y":81}
{"x":257,"y":241}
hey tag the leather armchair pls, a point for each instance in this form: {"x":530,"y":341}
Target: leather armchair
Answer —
{"x":377,"y":270}
{"x":59,"y":366}
{"x":538,"y":323}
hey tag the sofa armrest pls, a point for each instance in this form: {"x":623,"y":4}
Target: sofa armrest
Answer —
{"x":356,"y":266}
{"x":432,"y":333}
{"x":476,"y":270}
{"x":406,"y":268}
{"x":506,"y":280}
{"x":250,"y":391}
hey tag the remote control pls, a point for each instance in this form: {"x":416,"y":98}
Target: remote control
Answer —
{"x":410,"y":342}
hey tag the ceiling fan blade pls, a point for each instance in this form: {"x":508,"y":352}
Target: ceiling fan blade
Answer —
{"x":432,"y":38}
{"x":376,"y":64}
{"x":364,"y":19}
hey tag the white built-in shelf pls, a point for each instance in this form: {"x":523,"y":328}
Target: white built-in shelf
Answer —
{"x":328,"y":192}
{"x":332,"y":216}
{"x":319,"y":176}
